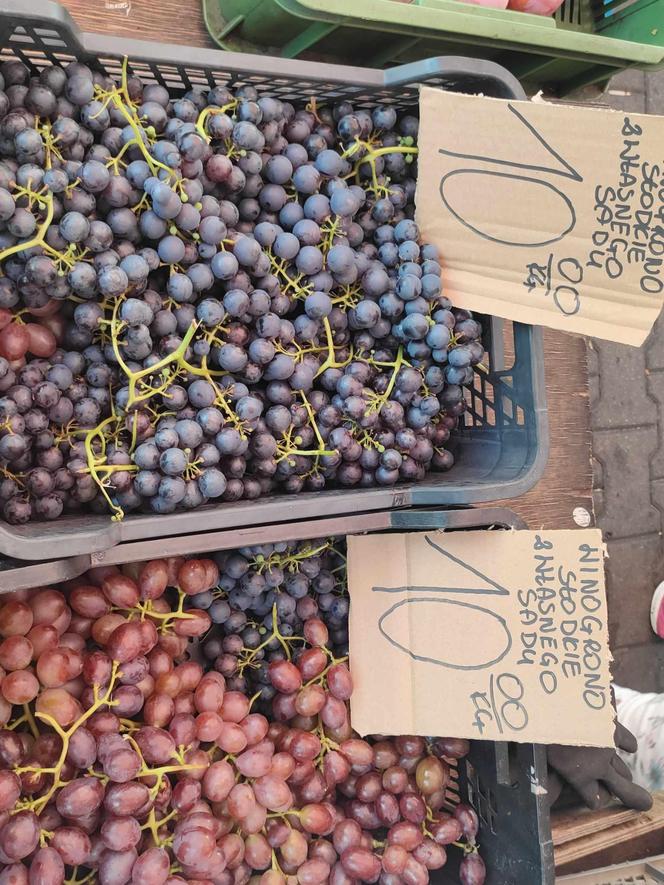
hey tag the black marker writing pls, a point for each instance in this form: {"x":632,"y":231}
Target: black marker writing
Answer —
{"x":535,"y":190}
{"x":511,"y":713}
{"x":497,"y":589}
{"x":569,"y":171}
{"x":533,"y":184}
{"x":486,"y":624}
{"x":565,"y":297}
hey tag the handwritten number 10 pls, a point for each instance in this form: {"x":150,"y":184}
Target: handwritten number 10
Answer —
{"x":541,"y":194}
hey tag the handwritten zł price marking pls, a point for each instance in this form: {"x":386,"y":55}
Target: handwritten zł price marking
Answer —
{"x":507,"y":712}
{"x":545,"y":214}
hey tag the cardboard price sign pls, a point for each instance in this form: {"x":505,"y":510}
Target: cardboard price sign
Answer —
{"x":494,"y":635}
{"x":546,"y":214}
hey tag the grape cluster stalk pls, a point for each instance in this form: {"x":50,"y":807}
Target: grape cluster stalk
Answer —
{"x":213,"y":297}
{"x":186,"y":720}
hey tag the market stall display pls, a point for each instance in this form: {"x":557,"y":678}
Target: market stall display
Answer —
{"x":186,"y":718}
{"x":234,"y":333}
{"x":500,"y":445}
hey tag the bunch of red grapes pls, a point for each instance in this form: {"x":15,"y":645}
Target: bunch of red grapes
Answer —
{"x":158,"y":729}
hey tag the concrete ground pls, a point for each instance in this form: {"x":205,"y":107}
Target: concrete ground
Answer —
{"x":627,"y":417}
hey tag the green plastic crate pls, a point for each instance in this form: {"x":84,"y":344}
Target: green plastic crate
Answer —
{"x":587,"y":42}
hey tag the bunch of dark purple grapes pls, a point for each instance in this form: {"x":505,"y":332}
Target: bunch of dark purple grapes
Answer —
{"x":45,"y":469}
{"x":266,"y":589}
{"x":213,"y":297}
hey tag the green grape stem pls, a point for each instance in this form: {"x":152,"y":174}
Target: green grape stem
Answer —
{"x":100,"y":699}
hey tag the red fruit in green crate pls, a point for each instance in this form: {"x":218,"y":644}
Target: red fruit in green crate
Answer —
{"x":535,"y":7}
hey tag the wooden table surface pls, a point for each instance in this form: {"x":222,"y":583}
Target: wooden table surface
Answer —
{"x":567,"y":481}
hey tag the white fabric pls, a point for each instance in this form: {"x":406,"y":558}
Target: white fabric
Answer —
{"x":643,"y":715}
